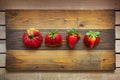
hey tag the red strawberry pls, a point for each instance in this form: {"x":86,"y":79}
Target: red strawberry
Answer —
{"x":72,"y":37}
{"x":32,"y":39}
{"x":53,"y":39}
{"x":92,"y":38}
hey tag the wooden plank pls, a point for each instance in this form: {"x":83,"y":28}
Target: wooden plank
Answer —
{"x":2,"y":18}
{"x":115,"y":75}
{"x":63,"y":4}
{"x":60,"y":19}
{"x":2,"y":74}
{"x":18,"y":60}
{"x":15,"y":42}
{"x":117,"y":32}
{"x":118,"y":60}
{"x":2,"y":32}
{"x":117,"y":18}
{"x":2,"y":60}
{"x":117,"y":46}
{"x":2,"y":46}
{"x":60,"y":59}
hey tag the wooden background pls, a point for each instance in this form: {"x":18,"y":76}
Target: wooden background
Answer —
{"x":55,"y":4}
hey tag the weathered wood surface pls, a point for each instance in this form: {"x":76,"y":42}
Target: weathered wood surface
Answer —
{"x":61,"y":59}
{"x":2,"y":32}
{"x":117,"y":32}
{"x":2,"y":74}
{"x":2,"y":18}
{"x":117,"y":46}
{"x":60,"y":19}
{"x":113,"y":75}
{"x":62,"y":4}
{"x":117,"y":19}
{"x":2,"y":46}
{"x":15,"y":42}
{"x":2,"y":60}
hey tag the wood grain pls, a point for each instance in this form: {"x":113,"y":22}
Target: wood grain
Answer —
{"x":2,"y":74}
{"x":118,"y":60}
{"x":117,"y":46}
{"x":63,"y":4}
{"x":60,"y":60}
{"x":117,"y":32}
{"x":63,"y":75}
{"x":117,"y":19}
{"x":60,"y":19}
{"x":2,"y":32}
{"x":2,"y":60}
{"x":2,"y":46}
{"x":15,"y":42}
{"x":2,"y":18}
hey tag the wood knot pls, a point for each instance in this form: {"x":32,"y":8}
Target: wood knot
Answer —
{"x":81,"y":25}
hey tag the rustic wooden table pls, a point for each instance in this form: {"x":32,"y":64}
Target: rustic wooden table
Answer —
{"x":63,"y":4}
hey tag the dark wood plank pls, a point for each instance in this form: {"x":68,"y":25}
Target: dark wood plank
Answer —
{"x":14,"y":40}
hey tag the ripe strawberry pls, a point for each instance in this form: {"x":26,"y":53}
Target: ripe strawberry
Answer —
{"x":72,"y":37}
{"x":92,"y":38}
{"x":53,"y":39}
{"x":32,"y":39}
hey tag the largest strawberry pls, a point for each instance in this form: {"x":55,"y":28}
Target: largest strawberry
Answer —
{"x":72,"y":37}
{"x":53,"y":38}
{"x":33,"y":38}
{"x":92,"y":38}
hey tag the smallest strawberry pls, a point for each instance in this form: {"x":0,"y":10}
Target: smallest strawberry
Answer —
{"x":72,"y":37}
{"x":92,"y":38}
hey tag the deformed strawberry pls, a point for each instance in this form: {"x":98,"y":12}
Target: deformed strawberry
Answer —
{"x":53,"y":38}
{"x":72,"y":37}
{"x":92,"y":38}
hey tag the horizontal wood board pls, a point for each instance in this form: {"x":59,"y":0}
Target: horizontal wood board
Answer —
{"x":101,"y":57}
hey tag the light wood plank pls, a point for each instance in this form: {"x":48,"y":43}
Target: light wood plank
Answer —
{"x":2,"y":73}
{"x":62,"y":4}
{"x":60,"y":19}
{"x":2,"y":60}
{"x":2,"y":46}
{"x":2,"y":18}
{"x":117,"y":18}
{"x":64,"y":75}
{"x":117,"y":46}
{"x":117,"y":32}
{"x":2,"y":32}
{"x":117,"y":60}
{"x":34,"y":60}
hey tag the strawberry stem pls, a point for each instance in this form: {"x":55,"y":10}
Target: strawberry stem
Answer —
{"x":72,"y":31}
{"x":93,"y":33}
{"x":52,"y":33}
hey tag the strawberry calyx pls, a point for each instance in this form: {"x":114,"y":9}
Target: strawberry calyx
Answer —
{"x":30,"y":32}
{"x":93,"y":34}
{"x":52,"y":34}
{"x":72,"y":32}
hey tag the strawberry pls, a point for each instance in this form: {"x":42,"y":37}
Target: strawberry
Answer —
{"x":72,"y":37}
{"x":92,"y":38}
{"x":53,"y":38}
{"x":33,"y":38}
